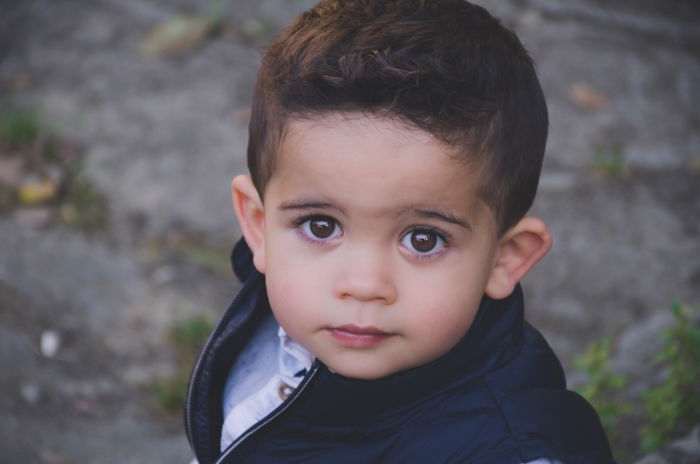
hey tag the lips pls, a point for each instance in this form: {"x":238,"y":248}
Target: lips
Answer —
{"x":353,"y":336}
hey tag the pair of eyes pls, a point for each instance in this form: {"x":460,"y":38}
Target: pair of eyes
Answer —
{"x":420,"y":240}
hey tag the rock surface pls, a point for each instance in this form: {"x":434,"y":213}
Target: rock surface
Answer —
{"x":683,"y":451}
{"x":164,"y":136}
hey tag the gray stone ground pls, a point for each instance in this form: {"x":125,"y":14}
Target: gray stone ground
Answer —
{"x":165,"y":135}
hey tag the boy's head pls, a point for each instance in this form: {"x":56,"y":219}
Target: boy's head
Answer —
{"x":446,"y":67}
{"x":395,"y":147}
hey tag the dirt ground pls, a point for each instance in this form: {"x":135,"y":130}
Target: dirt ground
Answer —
{"x":164,"y":134}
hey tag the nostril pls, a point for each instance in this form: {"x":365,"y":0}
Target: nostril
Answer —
{"x":366,"y":290}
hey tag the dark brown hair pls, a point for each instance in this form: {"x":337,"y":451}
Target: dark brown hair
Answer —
{"x":443,"y":66}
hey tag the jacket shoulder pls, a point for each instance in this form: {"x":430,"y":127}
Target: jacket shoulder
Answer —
{"x":545,"y":418}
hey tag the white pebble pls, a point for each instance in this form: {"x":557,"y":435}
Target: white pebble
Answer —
{"x":50,"y":342}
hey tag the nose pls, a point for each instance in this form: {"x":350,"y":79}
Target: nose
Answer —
{"x":366,"y":276}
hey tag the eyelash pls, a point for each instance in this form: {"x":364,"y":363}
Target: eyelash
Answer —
{"x":443,"y":242}
{"x":443,"y":239}
{"x":302,"y":223}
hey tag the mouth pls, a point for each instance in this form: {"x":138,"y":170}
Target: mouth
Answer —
{"x":353,"y":336}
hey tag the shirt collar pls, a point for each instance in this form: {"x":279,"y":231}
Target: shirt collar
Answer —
{"x":294,"y":360}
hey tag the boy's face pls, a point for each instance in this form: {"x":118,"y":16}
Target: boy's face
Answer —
{"x":377,"y":251}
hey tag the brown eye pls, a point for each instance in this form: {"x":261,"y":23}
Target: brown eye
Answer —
{"x":423,"y":240}
{"x":321,"y":228}
{"x":424,"y":243}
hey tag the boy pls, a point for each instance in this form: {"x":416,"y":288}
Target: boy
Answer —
{"x":395,"y":147}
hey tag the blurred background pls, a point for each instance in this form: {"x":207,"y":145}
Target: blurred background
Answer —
{"x":122,"y":123}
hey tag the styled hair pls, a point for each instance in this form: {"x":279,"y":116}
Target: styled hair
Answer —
{"x":446,"y":67}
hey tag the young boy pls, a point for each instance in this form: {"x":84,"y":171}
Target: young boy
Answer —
{"x":395,"y":147}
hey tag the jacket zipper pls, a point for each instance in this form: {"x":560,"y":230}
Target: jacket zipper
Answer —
{"x":195,"y":373}
{"x":273,"y":415}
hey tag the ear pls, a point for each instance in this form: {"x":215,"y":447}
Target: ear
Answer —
{"x":251,"y":216}
{"x":518,"y":251}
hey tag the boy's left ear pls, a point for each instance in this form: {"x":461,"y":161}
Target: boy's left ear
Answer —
{"x":518,"y":251}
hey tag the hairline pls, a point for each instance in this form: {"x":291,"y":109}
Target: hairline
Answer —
{"x":459,"y":151}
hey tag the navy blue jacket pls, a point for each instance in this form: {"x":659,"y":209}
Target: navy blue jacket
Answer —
{"x":498,"y":397}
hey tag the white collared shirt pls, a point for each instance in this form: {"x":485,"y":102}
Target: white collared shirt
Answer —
{"x":293,"y":360}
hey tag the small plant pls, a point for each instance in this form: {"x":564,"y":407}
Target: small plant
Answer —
{"x":19,"y":127}
{"x":84,"y":205}
{"x":610,"y":162}
{"x":673,"y":407}
{"x":182,"y":246}
{"x":217,"y":12}
{"x":213,"y":260}
{"x":45,"y":171}
{"x":187,"y":337}
{"x":170,"y":392}
{"x":603,"y":388}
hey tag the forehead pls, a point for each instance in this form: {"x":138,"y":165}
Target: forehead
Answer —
{"x":384,"y":129}
{"x":348,"y":141}
{"x":348,"y":157}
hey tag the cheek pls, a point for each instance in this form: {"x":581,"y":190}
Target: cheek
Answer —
{"x":285,"y":291}
{"x":450,"y":319}
{"x":446,"y":305}
{"x":285,"y":271}
{"x":447,"y":322}
{"x":292,"y":288}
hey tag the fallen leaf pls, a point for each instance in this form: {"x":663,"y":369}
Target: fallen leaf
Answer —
{"x":177,"y":36}
{"x":255,"y":29}
{"x":586,"y":97}
{"x":530,"y":19}
{"x":36,"y":191}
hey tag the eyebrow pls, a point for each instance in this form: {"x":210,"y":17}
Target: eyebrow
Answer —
{"x":438,"y":214}
{"x":307,"y":204}
{"x":427,"y":213}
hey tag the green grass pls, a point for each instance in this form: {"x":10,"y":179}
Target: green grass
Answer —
{"x":187,"y":338}
{"x":210,"y":259}
{"x":19,"y":127}
{"x":671,"y":408}
{"x":84,"y":205}
{"x":610,"y":162}
{"x":603,"y":388}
